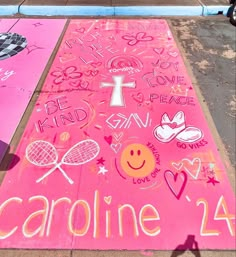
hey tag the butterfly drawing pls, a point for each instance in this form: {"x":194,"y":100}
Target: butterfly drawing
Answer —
{"x":139,"y":37}
{"x":69,"y":73}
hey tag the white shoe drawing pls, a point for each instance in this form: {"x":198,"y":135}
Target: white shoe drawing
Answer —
{"x":190,"y":135}
{"x":169,"y":129}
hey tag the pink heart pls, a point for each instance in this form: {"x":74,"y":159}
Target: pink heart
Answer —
{"x":94,"y":73}
{"x":79,"y":84}
{"x":96,"y":64}
{"x":176,"y":182}
{"x":67,"y":58}
{"x":173,"y":53}
{"x":87,"y":72}
{"x":148,"y":105}
{"x":84,"y":84}
{"x":108,"y":139}
{"x":75,"y":83}
{"x":165,"y":65}
{"x":138,"y":98}
{"x":80,"y":30}
{"x":91,"y":73}
{"x":159,"y":50}
{"x":172,"y":125}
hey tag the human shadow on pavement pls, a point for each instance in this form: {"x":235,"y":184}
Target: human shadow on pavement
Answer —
{"x":7,"y":160}
{"x":190,"y":244}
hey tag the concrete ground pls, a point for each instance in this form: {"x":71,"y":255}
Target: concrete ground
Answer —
{"x":208,"y":48}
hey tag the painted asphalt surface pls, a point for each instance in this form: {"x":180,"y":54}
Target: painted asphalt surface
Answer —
{"x":209,"y":50}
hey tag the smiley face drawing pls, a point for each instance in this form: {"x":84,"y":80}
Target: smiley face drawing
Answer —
{"x":137,"y":160}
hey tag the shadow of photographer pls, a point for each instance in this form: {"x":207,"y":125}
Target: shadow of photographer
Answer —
{"x":190,"y":244}
{"x":7,"y":160}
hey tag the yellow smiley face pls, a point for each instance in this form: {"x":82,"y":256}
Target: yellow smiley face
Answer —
{"x":137,"y":160}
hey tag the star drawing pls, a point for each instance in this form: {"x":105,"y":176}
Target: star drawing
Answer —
{"x":102,"y":170}
{"x":212,"y":180}
{"x":100,"y":161}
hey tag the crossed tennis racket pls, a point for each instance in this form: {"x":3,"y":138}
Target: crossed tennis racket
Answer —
{"x":42,"y":153}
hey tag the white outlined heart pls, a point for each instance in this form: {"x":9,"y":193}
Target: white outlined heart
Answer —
{"x":118,"y":136}
{"x":107,"y":199}
{"x":177,"y":166}
{"x":116,"y":147}
{"x":190,"y":166}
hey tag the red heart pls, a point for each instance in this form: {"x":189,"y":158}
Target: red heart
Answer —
{"x":108,"y":139}
{"x":138,"y":98}
{"x":174,"y":182}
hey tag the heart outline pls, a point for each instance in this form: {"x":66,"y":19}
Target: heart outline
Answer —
{"x":139,"y":97}
{"x":92,"y":73}
{"x":175,"y":177}
{"x":177,"y":166}
{"x":159,"y":50}
{"x":173,"y":53}
{"x":192,"y":164}
{"x":116,"y":147}
{"x":67,"y":58}
{"x":108,"y":199}
{"x":96,"y":64}
{"x":80,"y":30}
{"x":118,"y":136}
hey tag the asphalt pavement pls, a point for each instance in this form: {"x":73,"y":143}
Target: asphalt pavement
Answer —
{"x":209,"y":46}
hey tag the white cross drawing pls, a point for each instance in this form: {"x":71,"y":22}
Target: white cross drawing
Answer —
{"x":117,"y":98}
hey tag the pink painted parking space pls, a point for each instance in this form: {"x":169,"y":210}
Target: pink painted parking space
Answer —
{"x":117,"y":153}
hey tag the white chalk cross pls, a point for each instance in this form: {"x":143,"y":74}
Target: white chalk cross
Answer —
{"x":117,"y":98}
